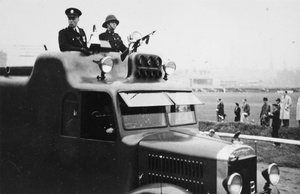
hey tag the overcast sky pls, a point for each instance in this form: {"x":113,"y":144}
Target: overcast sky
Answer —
{"x":194,"y":33}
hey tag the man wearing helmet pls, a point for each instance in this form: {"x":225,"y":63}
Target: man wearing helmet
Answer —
{"x":116,"y":43}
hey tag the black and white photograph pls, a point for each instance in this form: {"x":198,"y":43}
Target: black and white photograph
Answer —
{"x":150,"y":96}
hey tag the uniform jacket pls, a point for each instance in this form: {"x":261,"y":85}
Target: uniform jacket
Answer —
{"x":115,"y":41}
{"x":285,"y":105}
{"x":70,"y":40}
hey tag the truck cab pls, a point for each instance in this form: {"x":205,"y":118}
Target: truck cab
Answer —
{"x":96,"y":124}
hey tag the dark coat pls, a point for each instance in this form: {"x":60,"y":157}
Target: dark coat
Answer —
{"x":115,"y":41}
{"x":246,"y":109}
{"x":265,"y":109}
{"x":275,"y":119}
{"x":220,"y":108}
{"x":237,"y":112}
{"x":264,"y":114}
{"x":275,"y":123}
{"x":70,"y":40}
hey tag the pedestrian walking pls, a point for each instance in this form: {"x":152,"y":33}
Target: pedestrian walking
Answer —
{"x":264,"y":113}
{"x":237,"y":112}
{"x":286,"y":103}
{"x":220,"y":110}
{"x":298,"y":111}
{"x":275,"y":115}
{"x":245,"y":112}
{"x":279,"y":105}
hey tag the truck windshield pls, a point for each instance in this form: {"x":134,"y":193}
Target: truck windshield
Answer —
{"x":144,"y":117}
{"x":151,"y":110}
{"x":181,"y":115}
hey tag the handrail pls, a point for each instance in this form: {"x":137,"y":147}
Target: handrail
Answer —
{"x":259,"y":138}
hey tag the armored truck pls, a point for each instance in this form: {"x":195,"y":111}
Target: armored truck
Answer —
{"x":96,"y":124}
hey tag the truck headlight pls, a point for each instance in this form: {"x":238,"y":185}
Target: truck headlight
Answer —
{"x":106,"y":64}
{"x":233,"y":184}
{"x":272,"y":174}
{"x":169,"y":68}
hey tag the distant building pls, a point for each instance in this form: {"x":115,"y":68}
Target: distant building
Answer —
{"x":199,"y":80}
{"x":252,"y":83}
{"x":228,"y":83}
{"x":204,"y":80}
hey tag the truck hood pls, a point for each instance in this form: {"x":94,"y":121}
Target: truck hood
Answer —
{"x":189,"y":159}
{"x":184,"y":141}
{"x":187,"y":141}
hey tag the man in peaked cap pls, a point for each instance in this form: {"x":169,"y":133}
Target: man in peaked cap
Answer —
{"x":116,"y":43}
{"x":73,"y":38}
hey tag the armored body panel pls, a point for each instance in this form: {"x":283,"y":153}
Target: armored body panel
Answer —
{"x":69,"y":126}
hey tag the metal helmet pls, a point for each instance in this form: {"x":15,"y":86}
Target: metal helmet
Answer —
{"x":108,"y":19}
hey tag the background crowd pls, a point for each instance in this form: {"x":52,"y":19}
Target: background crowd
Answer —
{"x":274,"y":115}
{"x":242,"y":113}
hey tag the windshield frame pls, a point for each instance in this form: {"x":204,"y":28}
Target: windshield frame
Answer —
{"x":166,"y":114}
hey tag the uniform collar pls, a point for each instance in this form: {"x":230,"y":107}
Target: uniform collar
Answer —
{"x":110,"y":32}
{"x":77,"y":28}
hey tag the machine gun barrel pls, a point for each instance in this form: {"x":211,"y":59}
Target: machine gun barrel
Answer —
{"x":136,"y":44}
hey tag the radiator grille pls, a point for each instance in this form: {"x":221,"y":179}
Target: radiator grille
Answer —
{"x":178,"y":171}
{"x":176,"y":166}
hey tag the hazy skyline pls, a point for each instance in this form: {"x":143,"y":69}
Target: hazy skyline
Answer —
{"x":209,"y":34}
